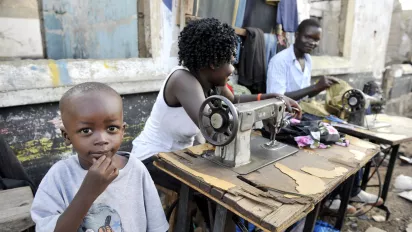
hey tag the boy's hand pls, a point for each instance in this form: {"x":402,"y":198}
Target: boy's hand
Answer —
{"x":99,"y":176}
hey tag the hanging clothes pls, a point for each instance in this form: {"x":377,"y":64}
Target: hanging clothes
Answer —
{"x":252,"y":64}
{"x":259,"y":14}
{"x":238,"y":48}
{"x":287,"y":15}
{"x":271,"y":43}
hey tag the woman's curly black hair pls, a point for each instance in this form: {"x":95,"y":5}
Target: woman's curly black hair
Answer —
{"x":206,"y":42}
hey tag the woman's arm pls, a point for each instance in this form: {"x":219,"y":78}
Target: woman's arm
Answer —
{"x":189,"y":94}
{"x":290,"y":103}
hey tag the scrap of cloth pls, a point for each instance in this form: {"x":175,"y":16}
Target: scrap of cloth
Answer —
{"x":313,"y":134}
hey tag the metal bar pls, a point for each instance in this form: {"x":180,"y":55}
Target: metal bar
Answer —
{"x":310,"y":221}
{"x":389,"y":172}
{"x":183,"y":215}
{"x":345,"y":196}
{"x":220,"y":219}
{"x":366,"y":175}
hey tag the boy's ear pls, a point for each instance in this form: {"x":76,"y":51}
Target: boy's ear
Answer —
{"x":123,"y":129}
{"x":67,"y":141}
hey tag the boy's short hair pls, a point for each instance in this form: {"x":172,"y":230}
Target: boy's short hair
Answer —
{"x":83,"y":88}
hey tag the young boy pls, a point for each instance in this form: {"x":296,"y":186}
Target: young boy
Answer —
{"x":99,"y":190}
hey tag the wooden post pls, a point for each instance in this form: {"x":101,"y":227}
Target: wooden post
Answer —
{"x":220,"y":219}
{"x":182,"y":15}
{"x":183,"y":216}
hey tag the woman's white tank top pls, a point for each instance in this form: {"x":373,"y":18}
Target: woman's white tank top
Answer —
{"x":167,"y":129}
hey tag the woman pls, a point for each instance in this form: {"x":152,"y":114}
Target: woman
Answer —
{"x":206,"y":51}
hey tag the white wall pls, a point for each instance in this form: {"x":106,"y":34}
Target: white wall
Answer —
{"x":372,"y":20}
{"x":366,"y":36}
{"x":20,"y":29}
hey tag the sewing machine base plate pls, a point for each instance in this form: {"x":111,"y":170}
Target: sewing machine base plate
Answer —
{"x":260,"y":156}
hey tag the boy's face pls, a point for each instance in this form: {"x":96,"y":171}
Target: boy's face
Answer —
{"x":94,"y":125}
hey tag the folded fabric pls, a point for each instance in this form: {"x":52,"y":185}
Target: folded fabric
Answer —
{"x":313,"y":134}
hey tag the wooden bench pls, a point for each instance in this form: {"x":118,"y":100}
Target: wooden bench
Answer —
{"x":15,"y":207}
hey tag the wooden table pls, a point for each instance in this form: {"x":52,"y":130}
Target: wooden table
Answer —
{"x":267,"y":197}
{"x":399,"y":131}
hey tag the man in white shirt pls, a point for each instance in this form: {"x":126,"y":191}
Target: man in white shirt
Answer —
{"x":290,"y":70}
{"x":289,"y":74}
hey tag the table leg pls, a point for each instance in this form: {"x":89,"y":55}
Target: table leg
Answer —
{"x":310,"y":221}
{"x":220,"y":219}
{"x":210,"y":211}
{"x":183,"y":215}
{"x":366,"y":175}
{"x":388,"y":176}
{"x":345,"y":196}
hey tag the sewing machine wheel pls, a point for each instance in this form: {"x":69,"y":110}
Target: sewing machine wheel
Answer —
{"x":219,"y":123}
{"x":353,"y":100}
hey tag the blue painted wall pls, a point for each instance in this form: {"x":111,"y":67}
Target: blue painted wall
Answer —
{"x":95,"y":29}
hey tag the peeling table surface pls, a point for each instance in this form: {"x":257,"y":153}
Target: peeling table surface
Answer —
{"x":277,"y":195}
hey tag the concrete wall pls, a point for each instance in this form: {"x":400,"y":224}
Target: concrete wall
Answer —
{"x":30,"y":89}
{"x":400,"y":39}
{"x":365,"y":31}
{"x":20,"y":29}
{"x":328,"y":13}
{"x":371,"y":27}
{"x":33,"y":134}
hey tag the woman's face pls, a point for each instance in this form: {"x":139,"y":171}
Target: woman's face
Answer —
{"x":220,"y":75}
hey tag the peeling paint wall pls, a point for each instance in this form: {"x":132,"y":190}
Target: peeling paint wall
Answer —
{"x":370,"y":35}
{"x":20,"y":29}
{"x":366,"y":32}
{"x":328,"y":14}
{"x":400,"y":39}
{"x":95,"y":29}
{"x":30,"y":89}
{"x":33,"y":134}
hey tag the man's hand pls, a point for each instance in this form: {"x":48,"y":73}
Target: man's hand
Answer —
{"x":99,"y":176}
{"x":293,"y":107}
{"x":325,"y":82}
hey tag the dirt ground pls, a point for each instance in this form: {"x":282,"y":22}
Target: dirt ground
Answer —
{"x":401,"y":209}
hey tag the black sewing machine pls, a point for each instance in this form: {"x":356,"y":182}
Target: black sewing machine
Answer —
{"x":356,"y":103}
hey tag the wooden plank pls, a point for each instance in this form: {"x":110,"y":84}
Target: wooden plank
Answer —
{"x":182,"y":20}
{"x":235,"y":10}
{"x":15,"y":209}
{"x":183,"y":215}
{"x":15,"y":197}
{"x":16,"y":219}
{"x":189,"y":7}
{"x":183,"y":8}
{"x":141,"y":30}
{"x":171,"y":197}
{"x":240,"y":31}
{"x":220,"y":219}
{"x":284,"y":217}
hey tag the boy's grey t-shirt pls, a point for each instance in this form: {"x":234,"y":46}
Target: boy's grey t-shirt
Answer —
{"x":130,"y":203}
